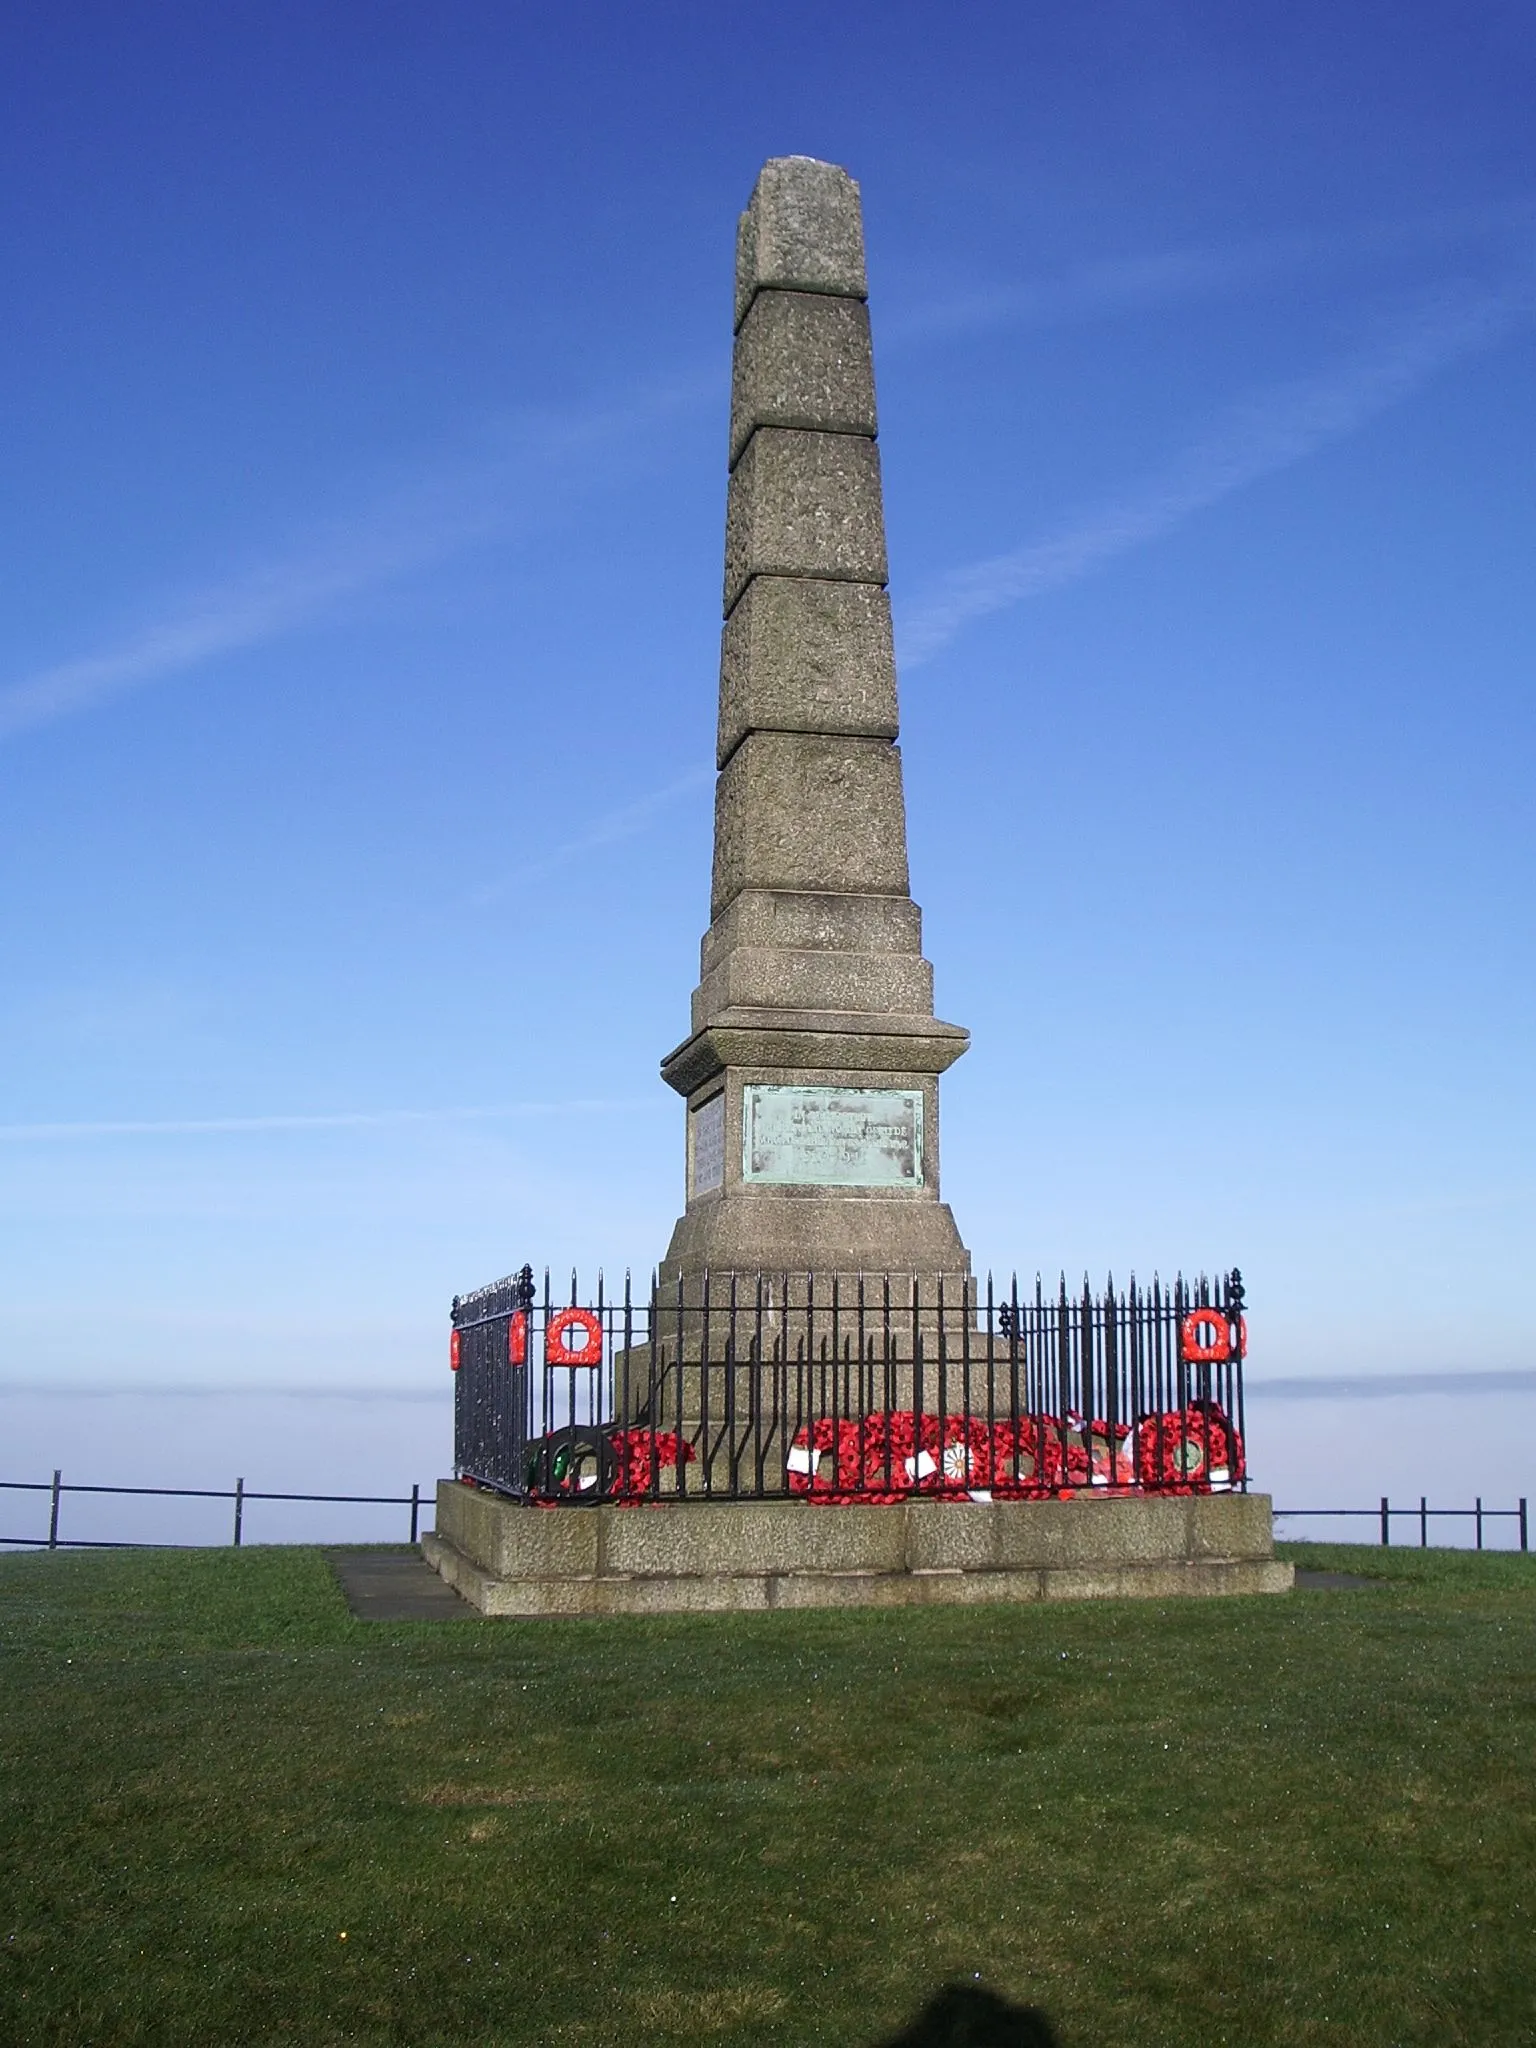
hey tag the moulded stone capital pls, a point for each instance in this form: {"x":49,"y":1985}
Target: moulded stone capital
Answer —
{"x":815,"y":1045}
{"x":803,"y":504}
{"x":803,"y":230}
{"x":802,"y":360}
{"x":803,"y":654}
{"x":797,"y":810}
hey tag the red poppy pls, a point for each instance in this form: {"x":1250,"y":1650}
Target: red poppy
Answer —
{"x":890,"y":1457}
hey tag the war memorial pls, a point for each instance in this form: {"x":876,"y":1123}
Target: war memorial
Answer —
{"x":815,"y":1401}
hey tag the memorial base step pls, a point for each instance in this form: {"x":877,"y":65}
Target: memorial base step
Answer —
{"x":512,"y":1558}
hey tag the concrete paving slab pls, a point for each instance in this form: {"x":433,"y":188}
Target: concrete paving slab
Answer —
{"x":395,"y":1585}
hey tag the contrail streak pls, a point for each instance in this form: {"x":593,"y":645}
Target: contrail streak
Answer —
{"x":493,"y":497}
{"x":1106,"y":286}
{"x":619,"y":824}
{"x":1269,"y":433}
{"x":346,"y":1120}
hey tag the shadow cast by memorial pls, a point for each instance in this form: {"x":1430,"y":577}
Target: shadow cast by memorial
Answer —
{"x":970,"y":2016}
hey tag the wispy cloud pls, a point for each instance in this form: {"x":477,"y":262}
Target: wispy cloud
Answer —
{"x":344,"y":1120}
{"x":623,"y":823}
{"x":1102,"y":286}
{"x":1268,"y":433}
{"x":244,"y":614}
{"x":1107,"y":286}
{"x":529,"y":468}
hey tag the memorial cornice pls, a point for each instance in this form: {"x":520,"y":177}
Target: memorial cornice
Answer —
{"x":823,"y":1041}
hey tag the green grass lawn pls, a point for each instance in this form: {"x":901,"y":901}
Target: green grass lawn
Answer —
{"x":233,"y":1814}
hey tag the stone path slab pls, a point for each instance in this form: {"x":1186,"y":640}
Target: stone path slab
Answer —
{"x":1331,"y":1582}
{"x":395,"y":1585}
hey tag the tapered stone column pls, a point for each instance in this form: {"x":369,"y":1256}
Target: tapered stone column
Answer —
{"x":811,"y":1071}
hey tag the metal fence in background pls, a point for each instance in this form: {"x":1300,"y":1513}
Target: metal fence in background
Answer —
{"x":240,"y":1494}
{"x":1382,"y":1515}
{"x":847,"y":1389}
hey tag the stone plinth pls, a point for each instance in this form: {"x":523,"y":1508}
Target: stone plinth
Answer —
{"x":511,"y":1559}
{"x":814,"y":999}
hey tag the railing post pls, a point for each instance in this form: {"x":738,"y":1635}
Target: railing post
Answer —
{"x":415,"y":1507}
{"x":1478,"y":1511}
{"x":1386,"y":1522}
{"x":1423,"y":1522}
{"x":239,"y":1509}
{"x":1524,"y":1533}
{"x":53,"y":1511}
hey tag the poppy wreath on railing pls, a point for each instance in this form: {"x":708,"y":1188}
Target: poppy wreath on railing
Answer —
{"x":883,"y":1458}
{"x":875,"y":1460}
{"x":622,"y":1465}
{"x":642,"y":1453}
{"x":1189,"y":1450}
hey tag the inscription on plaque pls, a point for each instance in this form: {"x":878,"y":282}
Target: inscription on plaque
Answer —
{"x":706,"y":1128}
{"x":833,"y":1137}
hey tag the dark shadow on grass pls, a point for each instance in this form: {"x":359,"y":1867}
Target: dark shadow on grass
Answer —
{"x":965,"y":2016}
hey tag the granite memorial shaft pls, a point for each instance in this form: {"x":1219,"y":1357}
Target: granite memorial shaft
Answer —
{"x":811,"y":1068}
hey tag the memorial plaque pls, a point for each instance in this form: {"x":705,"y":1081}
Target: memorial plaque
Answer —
{"x":833,"y":1137}
{"x":707,"y":1144}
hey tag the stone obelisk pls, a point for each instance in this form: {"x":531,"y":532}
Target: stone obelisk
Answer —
{"x":811,"y":1071}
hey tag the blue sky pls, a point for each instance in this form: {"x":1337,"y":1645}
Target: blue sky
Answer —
{"x":363,"y":391}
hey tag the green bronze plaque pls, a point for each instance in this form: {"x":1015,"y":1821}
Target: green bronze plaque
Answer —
{"x":833,"y":1137}
{"x":706,"y":1145}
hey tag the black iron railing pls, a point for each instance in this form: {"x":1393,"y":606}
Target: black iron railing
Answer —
{"x":847,"y":1389}
{"x":240,"y":1494}
{"x":1384,"y":1514}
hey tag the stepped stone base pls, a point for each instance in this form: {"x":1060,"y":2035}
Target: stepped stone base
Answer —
{"x":508,"y":1558}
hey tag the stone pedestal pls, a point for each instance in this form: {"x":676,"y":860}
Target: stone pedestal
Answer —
{"x":811,"y":1070}
{"x":509,"y":1558}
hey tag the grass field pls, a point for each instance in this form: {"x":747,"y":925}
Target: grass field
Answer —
{"x":233,"y":1814}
